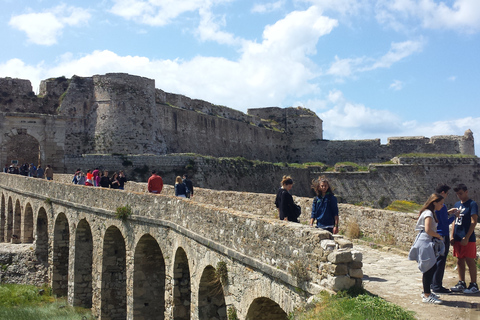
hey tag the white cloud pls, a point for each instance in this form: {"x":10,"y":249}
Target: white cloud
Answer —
{"x":264,"y":75}
{"x":267,"y":7}
{"x":398,"y":51}
{"x":461,"y":15}
{"x":44,"y":28}
{"x":396,"y":85}
{"x":452,"y":78}
{"x":209,"y":29}
{"x":346,"y":120}
{"x":159,"y":12}
{"x":344,"y":7}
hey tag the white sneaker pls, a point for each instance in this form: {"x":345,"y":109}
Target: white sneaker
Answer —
{"x":431,"y":299}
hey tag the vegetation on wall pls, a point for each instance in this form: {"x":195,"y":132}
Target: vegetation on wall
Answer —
{"x":123,"y":212}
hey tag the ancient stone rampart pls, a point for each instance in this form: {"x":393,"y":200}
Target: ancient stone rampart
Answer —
{"x":125,"y":114}
{"x":412,"y":179}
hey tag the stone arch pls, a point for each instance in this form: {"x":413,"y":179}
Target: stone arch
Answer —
{"x":61,"y":245}
{"x":182,"y":292}
{"x":17,"y":222}
{"x":3,"y":219}
{"x":148,"y":280}
{"x":265,"y":309}
{"x":211,"y":299}
{"x":41,"y":242}
{"x":82,"y":288}
{"x":9,"y":230}
{"x":22,"y":146}
{"x":114,"y":285}
{"x":27,"y":230}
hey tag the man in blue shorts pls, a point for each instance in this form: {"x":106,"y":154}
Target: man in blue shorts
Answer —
{"x":463,"y":239}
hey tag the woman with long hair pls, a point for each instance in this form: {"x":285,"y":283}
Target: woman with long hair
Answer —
{"x":428,"y":245}
{"x":180,"y":188}
{"x":325,"y":206}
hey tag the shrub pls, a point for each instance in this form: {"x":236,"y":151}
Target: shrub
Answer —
{"x":222,"y":272}
{"x":232,"y":313}
{"x":124,"y":212}
{"x":298,"y":270}
{"x":353,"y":230}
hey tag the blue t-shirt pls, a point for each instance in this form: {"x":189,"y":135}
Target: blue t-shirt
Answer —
{"x":443,"y":221}
{"x":463,"y":222}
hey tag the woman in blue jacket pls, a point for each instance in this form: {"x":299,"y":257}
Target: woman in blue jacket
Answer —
{"x":325,"y":206}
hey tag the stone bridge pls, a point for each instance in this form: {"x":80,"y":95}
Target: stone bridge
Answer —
{"x":172,"y":258}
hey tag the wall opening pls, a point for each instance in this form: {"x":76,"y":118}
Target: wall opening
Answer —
{"x":9,"y":220}
{"x":82,"y":290}
{"x":61,"y":245}
{"x":17,"y":222}
{"x":211,"y":300}
{"x":114,"y":286}
{"x":182,"y":294}
{"x":22,"y":147}
{"x":41,"y":242}
{"x":148,"y":280}
{"x":3,"y":221}
{"x":27,"y":231}
{"x":265,"y":309}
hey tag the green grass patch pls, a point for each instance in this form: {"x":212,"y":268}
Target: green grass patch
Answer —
{"x":434,"y":155}
{"x":404,"y":206}
{"x":25,"y":302}
{"x":355,"y":304}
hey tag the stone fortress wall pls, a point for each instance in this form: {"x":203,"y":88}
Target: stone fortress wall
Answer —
{"x":125,"y":114}
{"x":412,"y":179}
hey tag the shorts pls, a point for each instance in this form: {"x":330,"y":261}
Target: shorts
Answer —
{"x":462,"y":252}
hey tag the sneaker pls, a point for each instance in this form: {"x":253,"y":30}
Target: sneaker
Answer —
{"x":431,"y":299}
{"x":431,"y":294}
{"x":441,"y":290}
{"x":459,"y":287}
{"x":472,"y":288}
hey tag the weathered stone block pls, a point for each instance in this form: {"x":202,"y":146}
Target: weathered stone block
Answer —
{"x":340,"y":257}
{"x":355,"y":273}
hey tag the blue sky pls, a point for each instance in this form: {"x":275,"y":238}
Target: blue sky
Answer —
{"x":369,"y":68}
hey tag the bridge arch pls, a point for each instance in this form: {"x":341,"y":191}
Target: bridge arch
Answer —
{"x":114,"y":286}
{"x":148,"y":280}
{"x":61,"y":245}
{"x":27,"y":230}
{"x":17,"y":222}
{"x":9,"y":230}
{"x":182,"y":292}
{"x":2,"y":220}
{"x":264,"y":308}
{"x":82,"y":289}
{"x":41,"y":241}
{"x":211,"y":298}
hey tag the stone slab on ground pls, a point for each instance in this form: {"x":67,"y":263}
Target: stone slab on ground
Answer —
{"x":396,"y":279}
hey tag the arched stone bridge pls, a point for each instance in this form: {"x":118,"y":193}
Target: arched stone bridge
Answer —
{"x":168,"y":259}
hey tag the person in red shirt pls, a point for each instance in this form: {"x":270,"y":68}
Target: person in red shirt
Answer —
{"x":155,"y":183}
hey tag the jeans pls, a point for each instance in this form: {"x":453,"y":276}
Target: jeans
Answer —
{"x":441,"y":260}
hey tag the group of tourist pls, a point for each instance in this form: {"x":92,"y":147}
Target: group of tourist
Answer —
{"x":324,"y":207}
{"x":183,"y":187}
{"x":97,"y":178}
{"x":432,"y":243}
{"x":30,"y":170}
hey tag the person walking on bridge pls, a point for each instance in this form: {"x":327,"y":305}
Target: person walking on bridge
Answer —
{"x":155,"y":183}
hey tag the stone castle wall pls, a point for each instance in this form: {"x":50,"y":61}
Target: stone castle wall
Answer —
{"x":125,"y":114}
{"x":409,"y":179}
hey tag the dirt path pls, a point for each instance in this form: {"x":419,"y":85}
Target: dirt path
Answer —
{"x":396,"y":279}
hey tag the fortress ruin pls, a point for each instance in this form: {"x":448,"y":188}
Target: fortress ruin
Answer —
{"x":124,"y":114}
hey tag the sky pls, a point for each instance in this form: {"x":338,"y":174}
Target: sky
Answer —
{"x":370,"y":69}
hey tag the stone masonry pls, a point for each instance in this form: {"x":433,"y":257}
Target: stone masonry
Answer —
{"x":170,"y":248}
